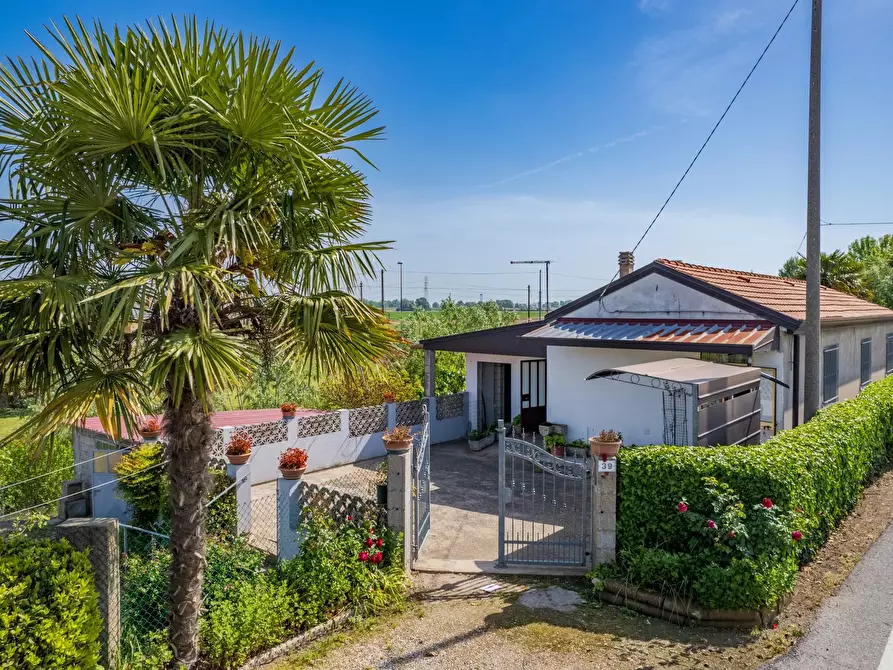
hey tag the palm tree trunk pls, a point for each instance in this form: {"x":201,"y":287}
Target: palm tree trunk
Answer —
{"x":189,"y":433}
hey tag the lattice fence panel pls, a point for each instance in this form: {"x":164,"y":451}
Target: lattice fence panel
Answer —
{"x":411,"y":413}
{"x":340,"y":505}
{"x":319,"y":424}
{"x":265,"y":433}
{"x":450,"y":406}
{"x":218,"y":450}
{"x":367,"y":420}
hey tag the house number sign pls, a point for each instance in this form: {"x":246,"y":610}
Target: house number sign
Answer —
{"x":609,"y":465}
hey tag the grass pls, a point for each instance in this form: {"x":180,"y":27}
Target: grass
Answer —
{"x":11,"y":419}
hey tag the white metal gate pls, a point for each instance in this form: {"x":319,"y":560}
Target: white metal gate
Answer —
{"x":545,"y":504}
{"x":421,"y":484}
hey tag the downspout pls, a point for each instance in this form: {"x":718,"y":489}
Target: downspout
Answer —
{"x":796,"y":393}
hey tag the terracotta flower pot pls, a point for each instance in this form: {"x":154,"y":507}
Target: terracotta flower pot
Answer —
{"x":558,"y":450}
{"x":292,"y":473}
{"x":239,"y":459}
{"x":398,"y":446}
{"x":288,"y":415}
{"x":607,"y":449}
{"x":150,"y":435}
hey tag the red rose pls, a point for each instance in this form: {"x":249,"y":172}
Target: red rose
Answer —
{"x":711,"y":523}
{"x":364,"y":556}
{"x":682,"y":507}
{"x":732,"y":534}
{"x":379,"y":542}
{"x":377,"y":557}
{"x":774,"y":626}
{"x":349,"y":517}
{"x":797,"y":535}
{"x":369,"y":541}
{"x":767,"y":503}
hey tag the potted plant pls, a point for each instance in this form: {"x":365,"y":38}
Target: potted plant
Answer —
{"x":577,"y":449}
{"x":388,"y":396}
{"x":381,"y":483}
{"x":238,"y":451}
{"x":607,"y":443}
{"x":479,"y":439}
{"x":398,"y":441}
{"x":288,"y":410}
{"x":150,"y":429}
{"x":293,"y":463}
{"x":555,"y":444}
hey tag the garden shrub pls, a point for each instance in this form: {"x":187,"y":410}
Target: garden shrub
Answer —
{"x":142,"y":488}
{"x":49,"y":616}
{"x":781,"y":500}
{"x":22,"y":460}
{"x":221,"y":516}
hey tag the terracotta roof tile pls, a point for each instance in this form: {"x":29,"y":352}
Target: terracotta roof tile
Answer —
{"x":787,"y":296}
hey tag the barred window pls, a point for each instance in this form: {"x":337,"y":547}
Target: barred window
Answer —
{"x":830,"y":391}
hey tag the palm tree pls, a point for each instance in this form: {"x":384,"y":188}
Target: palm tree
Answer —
{"x":839,"y":270}
{"x":181,"y":196}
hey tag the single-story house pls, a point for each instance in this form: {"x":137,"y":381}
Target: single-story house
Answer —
{"x":558,"y":369}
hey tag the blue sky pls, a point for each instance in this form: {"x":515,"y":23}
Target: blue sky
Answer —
{"x":555,"y":129}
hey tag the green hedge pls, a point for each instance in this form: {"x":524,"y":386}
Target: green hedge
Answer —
{"x":812,"y":474}
{"x":49,"y":616}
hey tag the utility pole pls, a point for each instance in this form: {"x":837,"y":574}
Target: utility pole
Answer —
{"x":813,"y":323}
{"x":481,"y":299}
{"x":426,"y":288}
{"x":400,"y":265}
{"x":361,"y":291}
{"x":546,"y":263}
{"x":528,"y":302}
{"x":539,"y":311}
{"x":382,"y":289}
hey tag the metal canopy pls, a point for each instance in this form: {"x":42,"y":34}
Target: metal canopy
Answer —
{"x":685,"y":371}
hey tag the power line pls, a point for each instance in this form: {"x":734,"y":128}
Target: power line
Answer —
{"x":856,"y":223}
{"x":712,"y":132}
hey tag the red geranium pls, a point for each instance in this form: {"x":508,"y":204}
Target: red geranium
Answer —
{"x":711,"y":523}
{"x":364,"y":556}
{"x":797,"y":535}
{"x":369,"y":541}
{"x":379,"y":542}
{"x":767,"y":503}
{"x":377,"y":557}
{"x":682,"y":507}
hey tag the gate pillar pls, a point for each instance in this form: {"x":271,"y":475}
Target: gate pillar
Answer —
{"x":400,"y":500}
{"x":604,"y":510}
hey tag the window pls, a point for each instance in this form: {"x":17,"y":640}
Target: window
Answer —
{"x":829,"y":375}
{"x":865,"y":363}
{"x":106,"y":456}
{"x":889,"y":353}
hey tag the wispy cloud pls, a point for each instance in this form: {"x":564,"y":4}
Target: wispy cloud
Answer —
{"x":687,"y":70}
{"x":654,"y":6}
{"x":578,"y":154}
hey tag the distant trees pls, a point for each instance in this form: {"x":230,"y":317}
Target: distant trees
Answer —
{"x":864,"y":270}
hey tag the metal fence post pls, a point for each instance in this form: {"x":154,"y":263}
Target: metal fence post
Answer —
{"x":501,"y":430}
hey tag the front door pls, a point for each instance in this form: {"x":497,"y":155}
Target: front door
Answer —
{"x":533,"y":394}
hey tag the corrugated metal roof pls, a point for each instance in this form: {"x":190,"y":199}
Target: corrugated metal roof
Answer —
{"x":656,"y":331}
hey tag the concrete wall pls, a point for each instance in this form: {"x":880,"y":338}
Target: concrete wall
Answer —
{"x":591,"y":406}
{"x":324,"y":451}
{"x":655,"y":296}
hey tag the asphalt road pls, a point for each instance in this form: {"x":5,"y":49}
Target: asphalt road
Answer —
{"x":855,"y":625}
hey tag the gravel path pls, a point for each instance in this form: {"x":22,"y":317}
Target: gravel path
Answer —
{"x":457,"y":626}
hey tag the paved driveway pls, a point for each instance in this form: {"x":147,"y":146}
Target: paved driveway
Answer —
{"x":854,"y":626}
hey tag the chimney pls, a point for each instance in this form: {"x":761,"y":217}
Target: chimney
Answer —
{"x":627,"y":263}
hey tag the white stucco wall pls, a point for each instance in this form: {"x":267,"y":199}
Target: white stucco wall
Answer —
{"x":591,"y":406}
{"x":655,"y":296}
{"x":849,"y":339}
{"x":471,"y":381}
